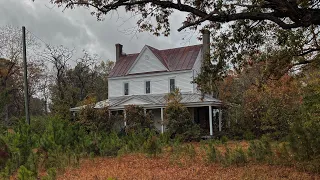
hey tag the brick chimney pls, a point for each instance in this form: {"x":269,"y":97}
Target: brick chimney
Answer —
{"x":206,"y":43}
{"x":118,"y":51}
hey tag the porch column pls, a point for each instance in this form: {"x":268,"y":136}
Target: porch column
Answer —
{"x":162,"y":126}
{"x":220,"y":118}
{"x":145,"y":111}
{"x":210,"y":120}
{"x":125,"y":116}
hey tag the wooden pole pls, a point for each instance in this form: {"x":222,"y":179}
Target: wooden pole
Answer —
{"x":26,"y":93}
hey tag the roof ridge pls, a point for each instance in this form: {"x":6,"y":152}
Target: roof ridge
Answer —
{"x":174,"y":59}
{"x":180,"y":47}
{"x":159,"y":55}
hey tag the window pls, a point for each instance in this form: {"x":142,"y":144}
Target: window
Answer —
{"x":126,"y":88}
{"x":148,"y":90}
{"x":172,"y":85}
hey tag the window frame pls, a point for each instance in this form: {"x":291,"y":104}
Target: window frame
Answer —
{"x":145,"y":86}
{"x":124,"y":88}
{"x":175,"y":86}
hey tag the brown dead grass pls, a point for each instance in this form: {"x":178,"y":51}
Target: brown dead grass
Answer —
{"x":139,"y":166}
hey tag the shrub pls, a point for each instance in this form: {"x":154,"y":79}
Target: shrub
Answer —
{"x":224,"y":139}
{"x":136,"y":119}
{"x":259,"y":150}
{"x":305,"y":139}
{"x":19,"y":143}
{"x":190,"y":151}
{"x":96,"y":119}
{"x":51,"y":174}
{"x":248,"y":135}
{"x":110,"y":145}
{"x":152,"y":146}
{"x":179,"y":119}
{"x":4,"y":154}
{"x":237,"y":157}
{"x":213,"y":155}
{"x":25,"y":174}
{"x":165,"y":138}
{"x":282,"y":153}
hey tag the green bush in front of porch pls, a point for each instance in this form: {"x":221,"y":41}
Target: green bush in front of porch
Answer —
{"x":178,"y":119}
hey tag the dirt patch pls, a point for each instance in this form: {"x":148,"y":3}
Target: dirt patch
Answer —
{"x":138,"y":166}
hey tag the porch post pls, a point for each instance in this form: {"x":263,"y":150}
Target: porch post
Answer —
{"x":145,"y":111}
{"x":210,"y":120}
{"x":125,"y":116}
{"x":220,"y":118}
{"x":162,"y":126}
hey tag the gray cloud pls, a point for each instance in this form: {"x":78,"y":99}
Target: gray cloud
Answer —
{"x":78,"y":29}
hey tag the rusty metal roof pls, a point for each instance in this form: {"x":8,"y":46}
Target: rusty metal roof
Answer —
{"x":157,"y":100}
{"x":176,"y":59}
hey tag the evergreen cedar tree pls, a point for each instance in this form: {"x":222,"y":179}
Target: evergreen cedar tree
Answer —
{"x":284,"y":32}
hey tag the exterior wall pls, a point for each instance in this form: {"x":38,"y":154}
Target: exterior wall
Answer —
{"x":159,"y":83}
{"x":156,"y":118}
{"x":197,"y":69}
{"x":147,"y":62}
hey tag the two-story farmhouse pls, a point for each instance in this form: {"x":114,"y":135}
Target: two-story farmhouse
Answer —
{"x":145,"y":79}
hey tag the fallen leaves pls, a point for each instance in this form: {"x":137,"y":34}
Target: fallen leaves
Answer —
{"x":139,"y":166}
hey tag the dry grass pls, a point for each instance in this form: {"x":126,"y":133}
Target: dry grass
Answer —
{"x":138,"y":166}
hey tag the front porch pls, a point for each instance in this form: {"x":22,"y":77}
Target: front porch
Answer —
{"x":205,"y":111}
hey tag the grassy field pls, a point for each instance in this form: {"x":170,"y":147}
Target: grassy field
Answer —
{"x":175,"y":165}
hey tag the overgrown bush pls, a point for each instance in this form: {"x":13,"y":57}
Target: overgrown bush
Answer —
{"x":304,"y":139}
{"x":152,"y":146}
{"x":237,"y":156}
{"x":136,"y":119}
{"x":96,"y":119}
{"x":259,"y":150}
{"x":179,"y":122}
{"x":110,"y":145}
{"x":51,"y":174}
{"x":4,"y":154}
{"x":25,"y":174}
{"x":212,"y":154}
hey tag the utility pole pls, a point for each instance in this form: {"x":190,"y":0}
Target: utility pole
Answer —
{"x":26,"y":94}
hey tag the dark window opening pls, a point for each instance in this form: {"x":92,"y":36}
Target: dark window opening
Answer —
{"x":126,"y":88}
{"x":148,"y":90}
{"x":172,"y":85}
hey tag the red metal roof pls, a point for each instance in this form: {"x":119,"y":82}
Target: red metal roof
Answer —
{"x":177,"y":59}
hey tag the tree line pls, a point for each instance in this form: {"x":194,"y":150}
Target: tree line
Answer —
{"x":57,"y":79}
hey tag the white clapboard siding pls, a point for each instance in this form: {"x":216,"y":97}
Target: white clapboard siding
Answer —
{"x":159,"y":83}
{"x":147,"y":62}
{"x":197,"y":68}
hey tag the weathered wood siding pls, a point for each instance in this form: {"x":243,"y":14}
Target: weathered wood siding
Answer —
{"x":147,"y":62}
{"x":197,"y":69}
{"x":159,"y":83}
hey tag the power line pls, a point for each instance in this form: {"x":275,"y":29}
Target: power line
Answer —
{"x":37,"y":37}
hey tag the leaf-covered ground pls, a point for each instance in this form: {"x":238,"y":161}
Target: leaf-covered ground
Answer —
{"x":141,"y":167}
{"x":166,"y":166}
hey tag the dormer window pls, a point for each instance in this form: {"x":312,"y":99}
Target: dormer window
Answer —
{"x":126,"y":88}
{"x":148,"y":87}
{"x":172,"y":85}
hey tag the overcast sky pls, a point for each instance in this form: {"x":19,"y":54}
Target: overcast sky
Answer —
{"x":78,"y":29}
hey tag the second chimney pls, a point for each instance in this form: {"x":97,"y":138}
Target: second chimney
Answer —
{"x":206,"y":43}
{"x":118,"y":51}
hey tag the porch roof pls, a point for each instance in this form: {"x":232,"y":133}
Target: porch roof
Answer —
{"x":154,"y":101}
